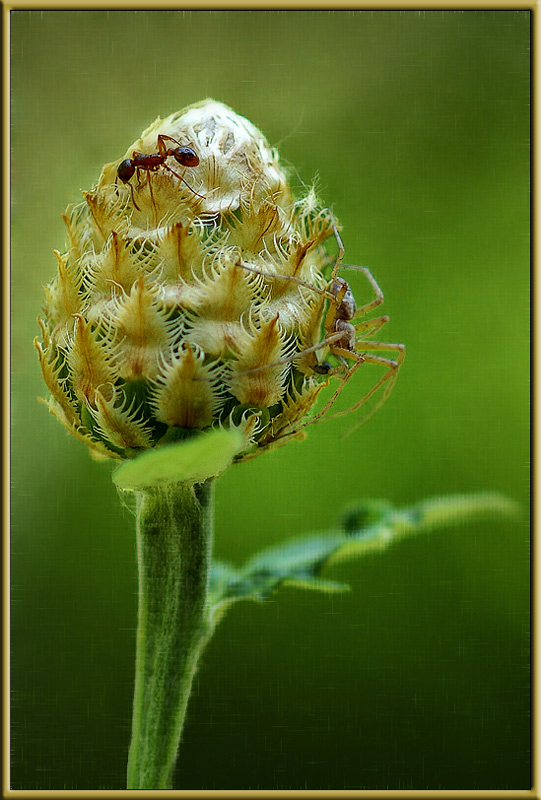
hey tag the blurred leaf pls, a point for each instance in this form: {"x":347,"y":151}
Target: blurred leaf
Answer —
{"x":365,"y":527}
{"x":192,"y":461}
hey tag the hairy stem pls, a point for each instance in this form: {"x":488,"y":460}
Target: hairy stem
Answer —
{"x":174,"y":539}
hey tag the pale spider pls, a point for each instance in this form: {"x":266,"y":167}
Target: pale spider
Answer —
{"x":342,"y":330}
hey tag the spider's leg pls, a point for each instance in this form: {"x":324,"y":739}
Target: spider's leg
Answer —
{"x":341,"y":252}
{"x":278,"y":442}
{"x":378,"y":299}
{"x":370,"y":326}
{"x":293,"y":278}
{"x":349,"y":373}
{"x":388,"y":378}
{"x":328,"y":341}
{"x":334,"y":305}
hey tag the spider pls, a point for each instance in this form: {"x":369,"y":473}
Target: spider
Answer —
{"x":342,"y":325}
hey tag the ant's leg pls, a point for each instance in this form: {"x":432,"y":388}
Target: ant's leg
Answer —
{"x":162,"y":149}
{"x":137,"y":169}
{"x":133,"y":197}
{"x":152,"y":200}
{"x":180,"y":177}
{"x":161,"y":139}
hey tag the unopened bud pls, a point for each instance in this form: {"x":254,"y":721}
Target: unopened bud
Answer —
{"x":192,"y":294}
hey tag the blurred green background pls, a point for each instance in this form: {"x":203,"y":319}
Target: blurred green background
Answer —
{"x":417,"y":126}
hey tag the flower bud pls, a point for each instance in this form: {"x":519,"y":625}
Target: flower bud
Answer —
{"x":192,"y":294}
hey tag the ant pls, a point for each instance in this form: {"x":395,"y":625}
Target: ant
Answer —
{"x":150,"y":162}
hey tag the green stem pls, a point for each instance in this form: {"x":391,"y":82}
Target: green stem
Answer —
{"x":174,"y":539}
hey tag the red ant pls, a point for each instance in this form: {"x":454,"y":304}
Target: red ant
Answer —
{"x":150,"y":162}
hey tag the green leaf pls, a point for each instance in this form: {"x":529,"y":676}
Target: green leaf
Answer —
{"x":222,"y":577}
{"x":258,"y":581}
{"x":364,"y":527}
{"x":297,"y":562}
{"x":307,"y":552}
{"x":192,"y":461}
